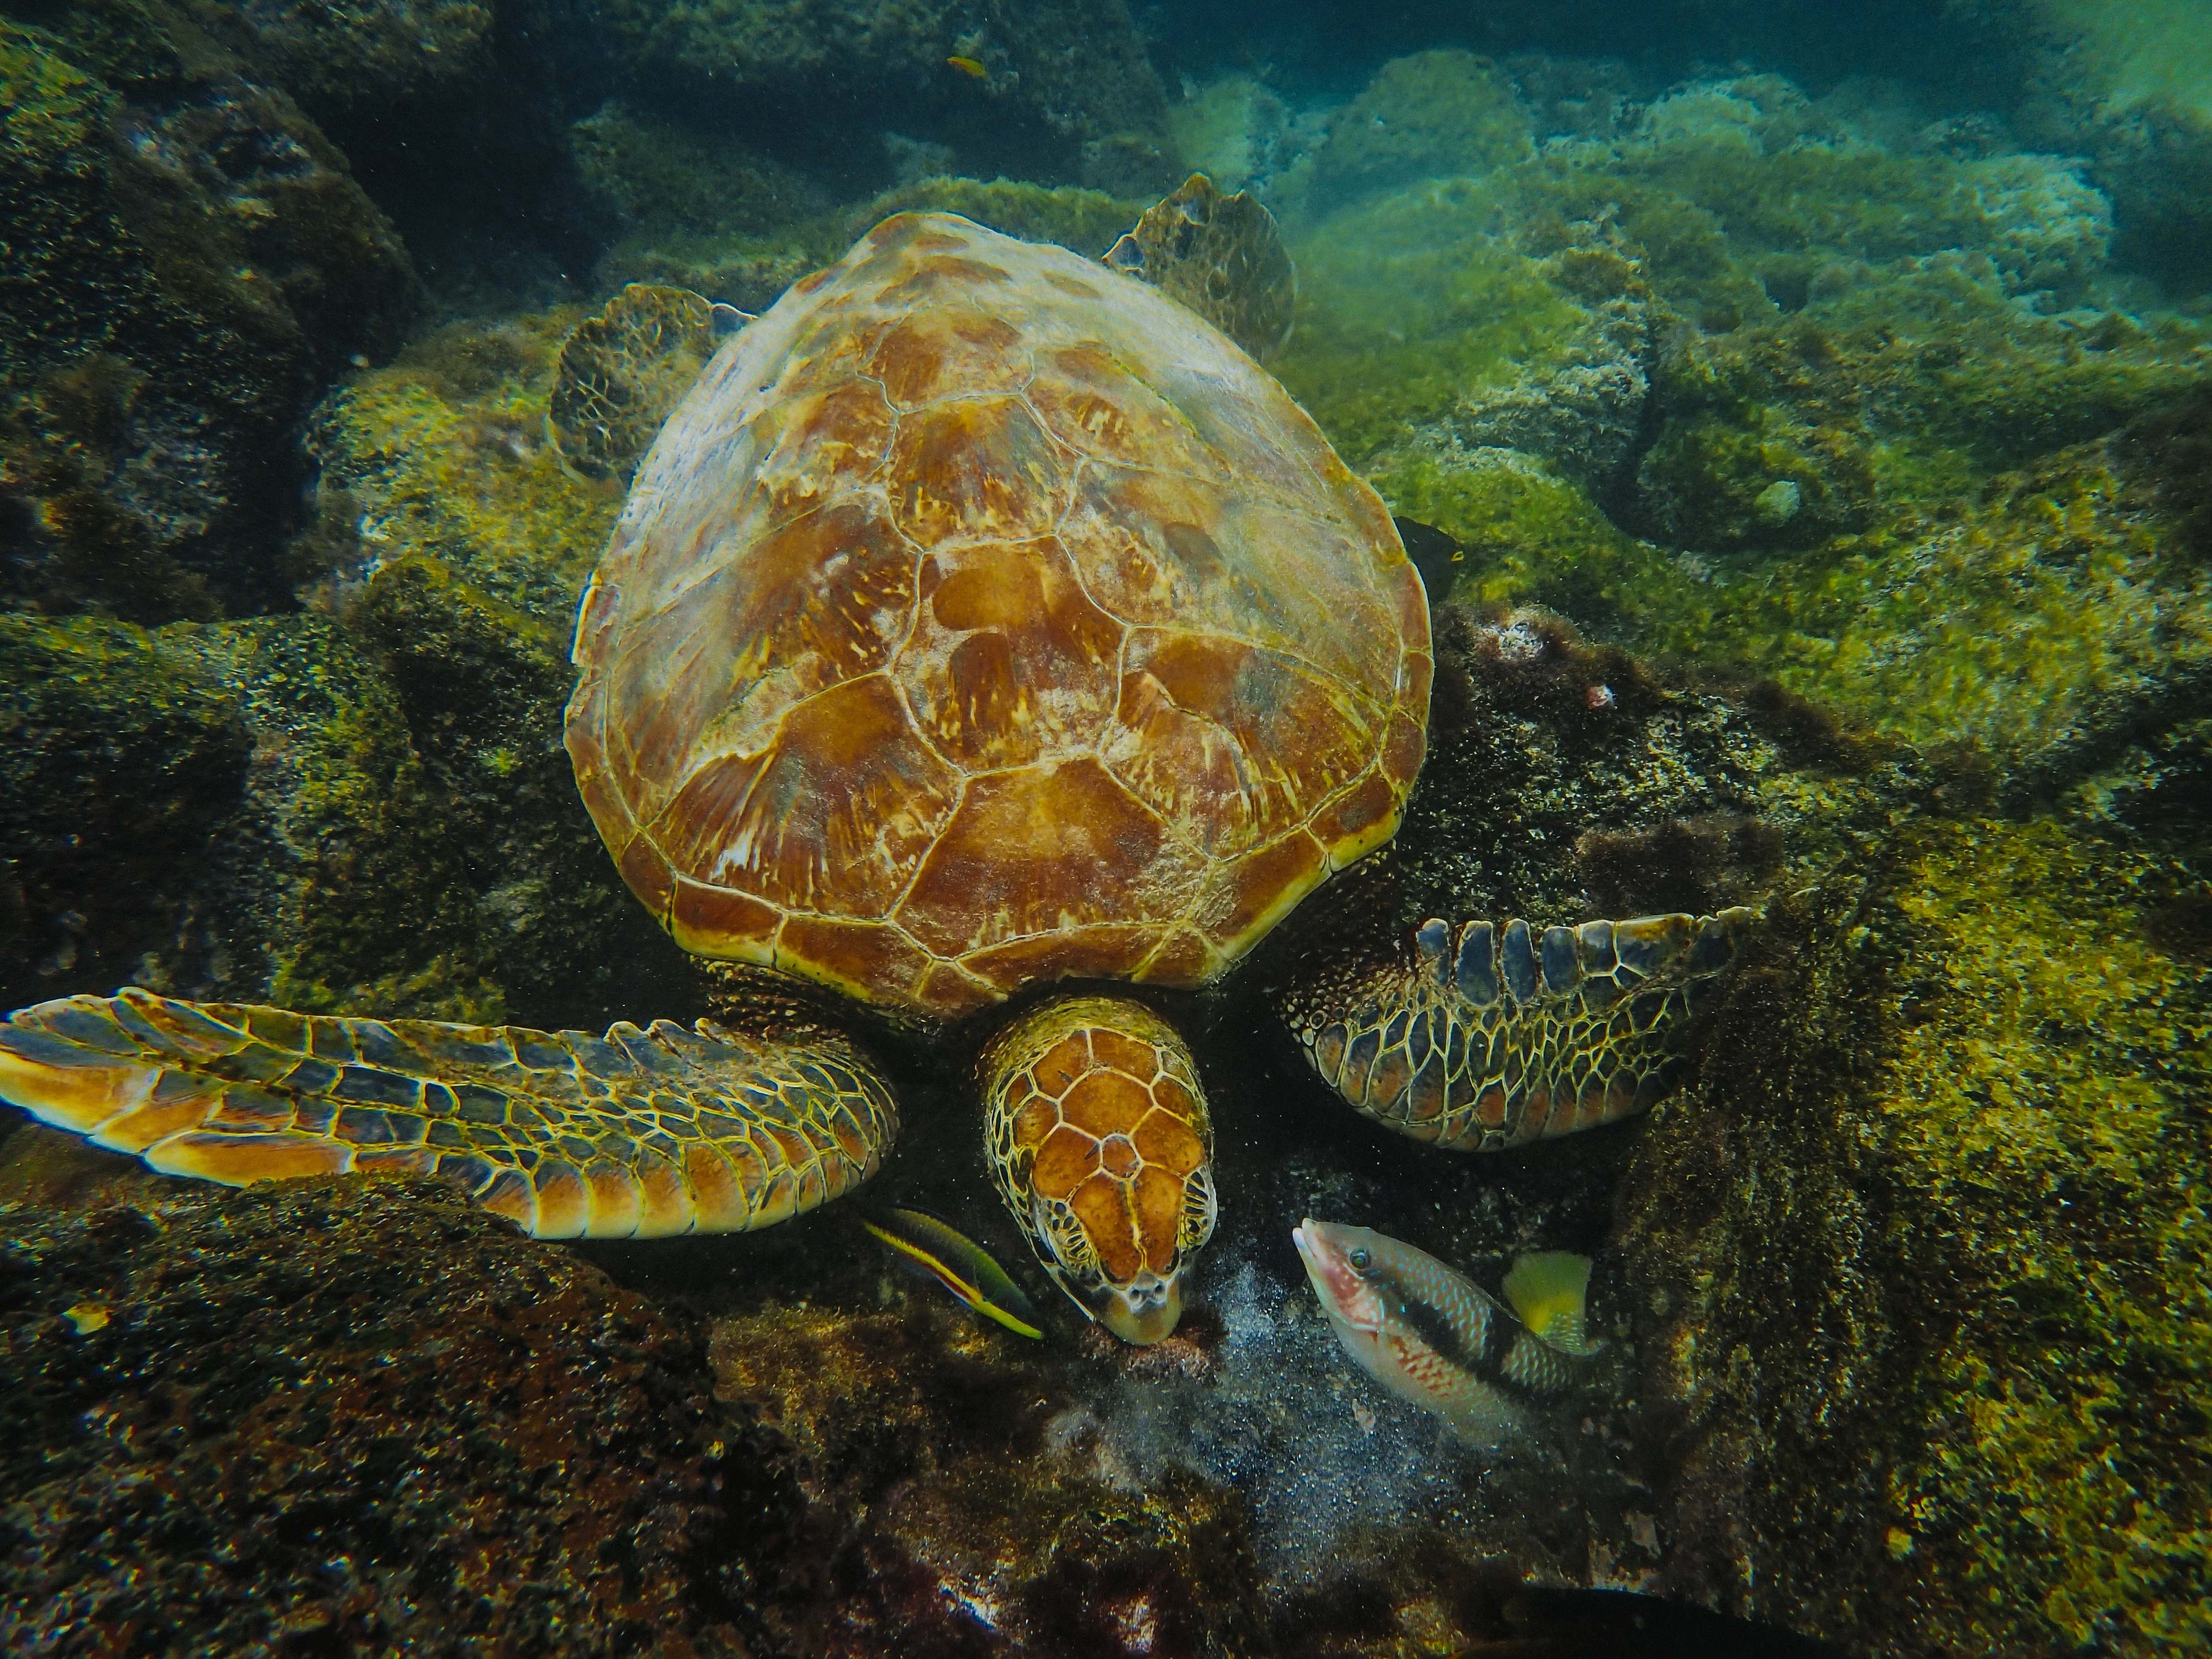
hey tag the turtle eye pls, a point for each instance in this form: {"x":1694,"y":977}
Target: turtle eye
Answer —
{"x":1359,"y":1258}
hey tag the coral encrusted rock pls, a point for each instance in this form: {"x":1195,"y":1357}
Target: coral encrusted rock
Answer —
{"x":344,"y":1416}
{"x":1058,"y":89}
{"x":190,"y":262}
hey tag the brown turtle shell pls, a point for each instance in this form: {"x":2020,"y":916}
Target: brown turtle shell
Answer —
{"x":984,"y":617}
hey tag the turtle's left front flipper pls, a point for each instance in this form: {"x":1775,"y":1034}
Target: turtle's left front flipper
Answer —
{"x":1482,"y":1038}
{"x":639,"y":1133}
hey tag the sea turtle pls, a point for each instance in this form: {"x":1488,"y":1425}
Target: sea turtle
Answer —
{"x":982,"y":619}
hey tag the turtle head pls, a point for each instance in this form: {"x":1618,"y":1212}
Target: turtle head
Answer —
{"x":1140,"y":1306}
{"x":1100,"y":1143}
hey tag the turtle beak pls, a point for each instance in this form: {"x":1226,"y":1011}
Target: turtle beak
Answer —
{"x":1143,"y":1312}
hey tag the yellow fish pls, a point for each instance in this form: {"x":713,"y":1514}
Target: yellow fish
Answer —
{"x":970,"y":67}
{"x":959,"y":1264}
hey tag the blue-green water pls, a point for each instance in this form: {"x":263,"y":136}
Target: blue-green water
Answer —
{"x":1801,"y":417}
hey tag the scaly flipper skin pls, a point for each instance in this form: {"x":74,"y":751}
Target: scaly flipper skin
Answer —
{"x":638,"y":1134}
{"x":1492,"y":1037}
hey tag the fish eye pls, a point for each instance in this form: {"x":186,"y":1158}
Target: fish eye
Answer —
{"x":1359,"y":1258}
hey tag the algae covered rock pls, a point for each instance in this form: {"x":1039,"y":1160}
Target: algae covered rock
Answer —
{"x":190,"y":263}
{"x":366,"y":805}
{"x":1083,"y":220}
{"x":1065,"y":89}
{"x":1414,"y":318}
{"x":694,"y":210}
{"x":120,"y":755}
{"x":1722,"y":486}
{"x":1434,"y":115}
{"x":1919,"y":1253}
{"x":334,"y":1415}
{"x":1793,"y":384}
{"x":2126,"y":87}
{"x":1236,"y":130}
{"x":454,"y":546}
{"x":749,"y":268}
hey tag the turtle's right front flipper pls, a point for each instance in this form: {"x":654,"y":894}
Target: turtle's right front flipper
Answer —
{"x":639,"y":1133}
{"x":1483,"y":1037}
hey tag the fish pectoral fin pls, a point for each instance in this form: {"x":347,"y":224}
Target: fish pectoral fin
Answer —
{"x":1550,"y":1290}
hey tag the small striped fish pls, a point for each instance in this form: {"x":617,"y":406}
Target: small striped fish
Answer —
{"x":957,"y":1262}
{"x":1432,"y":1336}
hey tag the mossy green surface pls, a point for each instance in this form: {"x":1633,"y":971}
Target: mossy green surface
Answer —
{"x":444,"y":454}
{"x":751,"y":270}
{"x":405,"y":837}
{"x":1934,"y":378}
{"x":189,"y":260}
{"x":1231,"y":130}
{"x":1086,"y":220}
{"x":2005,"y":623}
{"x":1873,"y":459}
{"x":2049,"y":1111}
{"x":1409,"y":305}
{"x":453,"y":548}
{"x":338,"y":877}
{"x":1924,"y":1258}
{"x":120,"y":754}
{"x":1434,"y":115}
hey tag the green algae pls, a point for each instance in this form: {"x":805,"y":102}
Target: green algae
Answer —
{"x":2149,"y":51}
{"x":694,"y":210}
{"x":751,"y":270}
{"x":1433,"y":115}
{"x":1086,"y":220}
{"x":1231,"y":129}
{"x":1531,"y":537}
{"x":119,"y":755}
{"x":343,"y":887}
{"x":1407,"y":307}
{"x":406,"y":838}
{"x":48,"y":106}
{"x":2043,"y":1109}
{"x":454,"y":547}
{"x":444,"y":454}
{"x":2003,"y":624}
{"x":1868,"y":463}
{"x":1921,"y":1260}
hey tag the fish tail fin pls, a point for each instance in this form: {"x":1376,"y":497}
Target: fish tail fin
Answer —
{"x":1550,"y":1292}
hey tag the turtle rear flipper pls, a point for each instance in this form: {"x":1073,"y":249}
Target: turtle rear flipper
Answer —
{"x":639,"y":1133}
{"x":1485,"y":1037}
{"x":625,"y":369}
{"x":1220,"y":256}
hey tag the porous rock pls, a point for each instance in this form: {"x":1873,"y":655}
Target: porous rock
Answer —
{"x":1065,"y":89}
{"x":338,"y":1415}
{"x":1912,"y":1263}
{"x":190,"y":263}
